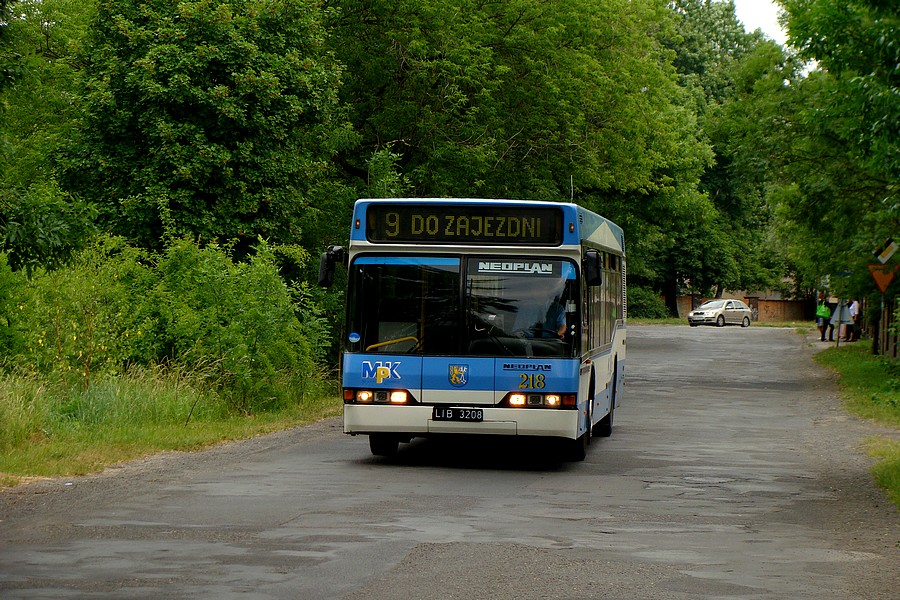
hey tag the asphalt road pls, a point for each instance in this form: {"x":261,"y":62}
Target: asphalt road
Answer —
{"x":732,"y":473}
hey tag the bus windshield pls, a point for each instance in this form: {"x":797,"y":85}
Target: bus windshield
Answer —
{"x":475,"y":306}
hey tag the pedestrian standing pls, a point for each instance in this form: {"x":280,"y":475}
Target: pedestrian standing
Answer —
{"x":823,"y":318}
{"x":853,"y":328}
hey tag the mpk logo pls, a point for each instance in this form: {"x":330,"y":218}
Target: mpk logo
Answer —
{"x":380,"y":370}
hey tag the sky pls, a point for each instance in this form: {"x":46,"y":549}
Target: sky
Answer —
{"x":760,"y":14}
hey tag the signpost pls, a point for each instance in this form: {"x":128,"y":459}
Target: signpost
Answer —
{"x":883,"y":275}
{"x":840,"y":316}
{"x":886,"y":251}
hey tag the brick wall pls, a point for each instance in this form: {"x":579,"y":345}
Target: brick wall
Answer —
{"x":763,"y":310}
{"x":778,"y":310}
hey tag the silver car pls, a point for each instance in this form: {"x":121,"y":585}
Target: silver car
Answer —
{"x":721,"y":313}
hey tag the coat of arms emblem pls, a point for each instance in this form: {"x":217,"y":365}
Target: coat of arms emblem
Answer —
{"x":459,"y":375}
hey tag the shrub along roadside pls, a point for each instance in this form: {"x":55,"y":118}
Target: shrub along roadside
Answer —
{"x":237,"y":323}
{"x":870,"y":386}
{"x":644,"y":303}
{"x":123,"y":353}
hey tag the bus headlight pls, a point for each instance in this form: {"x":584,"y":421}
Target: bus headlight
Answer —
{"x":396,"y":397}
{"x":531,"y":400}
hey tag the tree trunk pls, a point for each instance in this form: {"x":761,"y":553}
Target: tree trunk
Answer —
{"x":670,"y":292}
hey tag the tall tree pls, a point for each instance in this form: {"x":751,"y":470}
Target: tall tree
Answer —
{"x":527,"y":98}
{"x":7,"y":57}
{"x":507,"y":98}
{"x":40,"y":225}
{"x":208,"y":118}
{"x":718,"y":63}
{"x":711,"y":41}
{"x":838,"y":160}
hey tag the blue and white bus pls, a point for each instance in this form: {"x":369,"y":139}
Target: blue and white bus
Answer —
{"x":494,"y":317}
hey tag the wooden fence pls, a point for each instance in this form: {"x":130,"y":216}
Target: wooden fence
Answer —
{"x":884,"y":340}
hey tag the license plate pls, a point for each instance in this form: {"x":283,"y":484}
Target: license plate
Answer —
{"x":453,"y":413}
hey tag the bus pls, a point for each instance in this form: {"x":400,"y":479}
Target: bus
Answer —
{"x":485,"y":317}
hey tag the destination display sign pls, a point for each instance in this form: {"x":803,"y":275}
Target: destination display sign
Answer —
{"x":436,"y":223}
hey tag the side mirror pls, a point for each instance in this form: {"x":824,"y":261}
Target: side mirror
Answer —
{"x":329,"y":258}
{"x":591,"y":268}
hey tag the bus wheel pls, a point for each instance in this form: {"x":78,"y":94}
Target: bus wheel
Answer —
{"x":383,"y":444}
{"x":589,"y":430}
{"x":578,"y":448}
{"x":605,"y":425}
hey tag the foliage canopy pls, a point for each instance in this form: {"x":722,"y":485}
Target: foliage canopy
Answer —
{"x":211,"y":118}
{"x":728,"y":161}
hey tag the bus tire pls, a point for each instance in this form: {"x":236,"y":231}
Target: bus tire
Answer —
{"x":605,"y":425}
{"x":578,"y":448}
{"x":383,"y":444}
{"x":589,"y":429}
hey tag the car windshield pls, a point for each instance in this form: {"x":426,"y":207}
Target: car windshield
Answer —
{"x":476,"y":306}
{"x":712,"y":304}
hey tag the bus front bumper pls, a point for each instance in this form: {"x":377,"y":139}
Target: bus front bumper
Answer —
{"x":417,"y":421}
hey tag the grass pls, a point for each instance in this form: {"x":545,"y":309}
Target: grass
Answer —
{"x":870,"y":386}
{"x":669,"y":321}
{"x":50,"y":431}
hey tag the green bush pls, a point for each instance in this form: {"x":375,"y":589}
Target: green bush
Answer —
{"x":11,"y":305}
{"x":116,"y":307}
{"x":644,"y":303}
{"x":42,"y":226}
{"x":240,"y":318}
{"x":81,"y":320}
